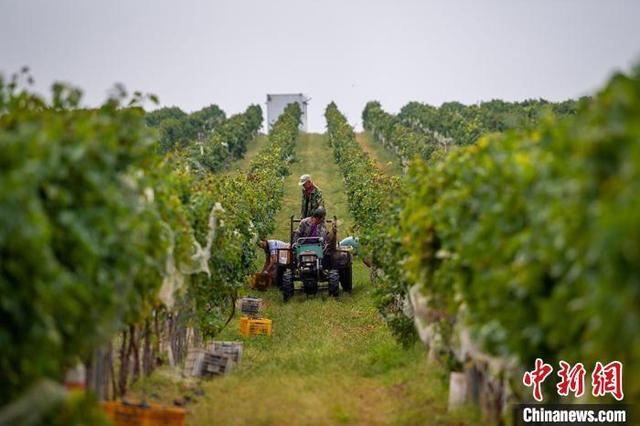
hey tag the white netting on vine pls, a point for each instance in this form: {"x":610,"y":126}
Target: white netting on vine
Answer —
{"x":174,"y":276}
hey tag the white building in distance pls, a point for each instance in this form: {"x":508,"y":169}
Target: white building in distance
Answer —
{"x":276,"y":103}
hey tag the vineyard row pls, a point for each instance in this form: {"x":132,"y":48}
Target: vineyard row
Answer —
{"x":522,"y":245}
{"x":424,"y":131}
{"x":91,"y":216}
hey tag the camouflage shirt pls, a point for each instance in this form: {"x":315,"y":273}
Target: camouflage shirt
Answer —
{"x":310,"y":204}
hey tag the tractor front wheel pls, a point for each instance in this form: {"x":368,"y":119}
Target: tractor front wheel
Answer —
{"x":287,"y":285}
{"x":334,"y":283}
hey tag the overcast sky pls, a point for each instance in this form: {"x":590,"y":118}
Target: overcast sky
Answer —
{"x":232,"y":53}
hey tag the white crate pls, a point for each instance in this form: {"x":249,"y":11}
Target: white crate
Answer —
{"x":231,"y":349}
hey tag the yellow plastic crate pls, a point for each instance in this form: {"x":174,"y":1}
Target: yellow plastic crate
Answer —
{"x":255,"y":327}
{"x":128,"y":414}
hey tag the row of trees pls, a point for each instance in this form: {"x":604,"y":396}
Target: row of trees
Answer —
{"x":375,"y":203}
{"x":521,"y":245}
{"x":400,"y":138}
{"x":527,"y":240}
{"x":212,"y":139}
{"x":423,"y":130}
{"x":100,"y":234}
{"x":464,"y":124}
{"x":177,"y":129}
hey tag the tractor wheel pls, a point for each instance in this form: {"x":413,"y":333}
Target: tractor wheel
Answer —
{"x":334,"y":283}
{"x":279,"y":272}
{"x":346,"y":279}
{"x":287,"y":285}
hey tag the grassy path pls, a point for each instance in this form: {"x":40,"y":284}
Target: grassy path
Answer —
{"x":329,"y":361}
{"x":386,"y":160}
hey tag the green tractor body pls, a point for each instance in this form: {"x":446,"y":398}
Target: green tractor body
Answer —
{"x":316,"y":264}
{"x":309,"y":248}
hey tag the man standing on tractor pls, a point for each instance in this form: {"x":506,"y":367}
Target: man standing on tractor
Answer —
{"x":311,"y":196}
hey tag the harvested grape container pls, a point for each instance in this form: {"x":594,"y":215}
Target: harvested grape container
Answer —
{"x":216,"y":364}
{"x":143,"y":414}
{"x":260,"y":281}
{"x":207,"y":363}
{"x":193,"y":365}
{"x":255,"y":327}
{"x":250,"y":306}
{"x":231,"y":349}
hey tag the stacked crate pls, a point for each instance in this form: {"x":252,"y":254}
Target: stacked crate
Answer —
{"x":250,"y":306}
{"x":194,"y":363}
{"x":251,"y":322}
{"x":255,"y":327}
{"x":216,"y":364}
{"x":202,"y":363}
{"x":231,"y":349}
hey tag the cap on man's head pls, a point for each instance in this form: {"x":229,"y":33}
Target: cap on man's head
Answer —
{"x":304,"y":179}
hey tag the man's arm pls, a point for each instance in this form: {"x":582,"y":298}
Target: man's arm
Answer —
{"x":319,"y":199}
{"x":266,"y":261}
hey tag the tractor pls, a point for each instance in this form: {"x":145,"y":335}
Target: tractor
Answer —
{"x":317,"y":264}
